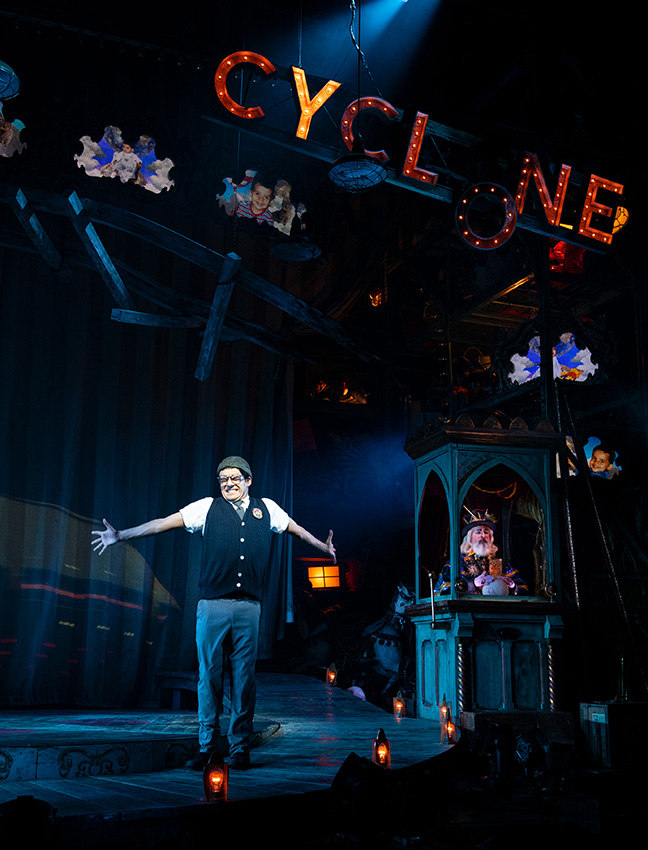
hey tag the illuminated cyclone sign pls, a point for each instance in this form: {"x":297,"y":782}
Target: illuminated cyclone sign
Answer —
{"x":510,"y":206}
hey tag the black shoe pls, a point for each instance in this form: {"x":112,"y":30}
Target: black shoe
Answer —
{"x":198,"y":762}
{"x":240,"y":760}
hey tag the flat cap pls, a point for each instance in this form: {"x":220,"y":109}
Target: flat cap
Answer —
{"x":235,"y":462}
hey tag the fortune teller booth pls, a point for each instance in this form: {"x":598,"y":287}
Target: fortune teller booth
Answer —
{"x":486,"y":638}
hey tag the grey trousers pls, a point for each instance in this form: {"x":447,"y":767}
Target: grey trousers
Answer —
{"x":216,"y":619}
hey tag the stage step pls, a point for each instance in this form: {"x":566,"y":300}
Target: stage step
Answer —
{"x":38,"y":745}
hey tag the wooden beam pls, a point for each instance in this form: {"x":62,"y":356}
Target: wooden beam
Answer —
{"x":244,"y":329}
{"x":468,"y":310}
{"x":297,"y":308}
{"x":95,"y":248}
{"x":36,"y":232}
{"x":220,"y":303}
{"x":234,"y":327}
{"x":195,"y":253}
{"x":212,"y":261}
{"x":155,"y":320}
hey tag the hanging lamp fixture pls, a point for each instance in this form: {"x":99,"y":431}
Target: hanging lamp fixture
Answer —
{"x":9,"y":82}
{"x":357,"y":171}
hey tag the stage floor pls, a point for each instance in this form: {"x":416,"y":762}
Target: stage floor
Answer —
{"x":114,"y":765}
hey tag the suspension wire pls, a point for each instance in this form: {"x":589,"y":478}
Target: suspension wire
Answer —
{"x":235,"y":223}
{"x":604,"y":544}
{"x":564,"y":472}
{"x":356,"y":43}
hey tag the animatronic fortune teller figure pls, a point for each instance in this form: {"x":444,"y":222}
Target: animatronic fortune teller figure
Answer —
{"x":480,"y":569}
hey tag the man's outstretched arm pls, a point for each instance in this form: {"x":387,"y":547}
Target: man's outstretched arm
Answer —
{"x":110,"y":535}
{"x":307,"y":537}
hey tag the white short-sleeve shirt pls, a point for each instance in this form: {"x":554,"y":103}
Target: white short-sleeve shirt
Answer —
{"x":195,"y":514}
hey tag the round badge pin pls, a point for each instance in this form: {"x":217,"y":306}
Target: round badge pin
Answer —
{"x":257,"y":513}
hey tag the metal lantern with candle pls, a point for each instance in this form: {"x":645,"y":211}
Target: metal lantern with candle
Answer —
{"x":381,"y":749}
{"x":399,"y":705}
{"x":215,"y":779}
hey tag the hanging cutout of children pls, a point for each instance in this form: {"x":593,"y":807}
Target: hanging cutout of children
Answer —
{"x":266,"y":201}
{"x":112,"y":156}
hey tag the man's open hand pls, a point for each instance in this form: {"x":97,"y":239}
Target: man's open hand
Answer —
{"x":330,"y":548}
{"x":105,"y":538}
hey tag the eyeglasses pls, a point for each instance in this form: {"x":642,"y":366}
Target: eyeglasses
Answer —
{"x":235,"y":479}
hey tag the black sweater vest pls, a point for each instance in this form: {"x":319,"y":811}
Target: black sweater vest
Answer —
{"x":235,"y":552}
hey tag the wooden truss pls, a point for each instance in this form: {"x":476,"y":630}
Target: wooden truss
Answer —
{"x":214,"y":319}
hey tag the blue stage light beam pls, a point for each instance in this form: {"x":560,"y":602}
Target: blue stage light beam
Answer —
{"x":389,"y":32}
{"x":392,"y":31}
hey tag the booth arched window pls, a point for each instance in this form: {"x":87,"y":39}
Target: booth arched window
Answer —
{"x":433,"y":532}
{"x":507,"y":501}
{"x":519,"y":517}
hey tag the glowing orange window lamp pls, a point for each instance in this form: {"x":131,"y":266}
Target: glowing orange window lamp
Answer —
{"x":215,"y":777}
{"x":331,"y":675}
{"x":322,"y":574}
{"x":381,"y":749}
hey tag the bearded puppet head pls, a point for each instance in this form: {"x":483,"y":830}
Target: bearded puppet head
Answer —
{"x":478,"y":534}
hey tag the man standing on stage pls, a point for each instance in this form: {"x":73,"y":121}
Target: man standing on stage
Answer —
{"x":237,"y":534}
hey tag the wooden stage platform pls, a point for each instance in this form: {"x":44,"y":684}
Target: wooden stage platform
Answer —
{"x":102,"y":780}
{"x":117,"y":777}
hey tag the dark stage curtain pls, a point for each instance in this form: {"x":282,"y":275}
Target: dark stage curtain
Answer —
{"x":100,"y":419}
